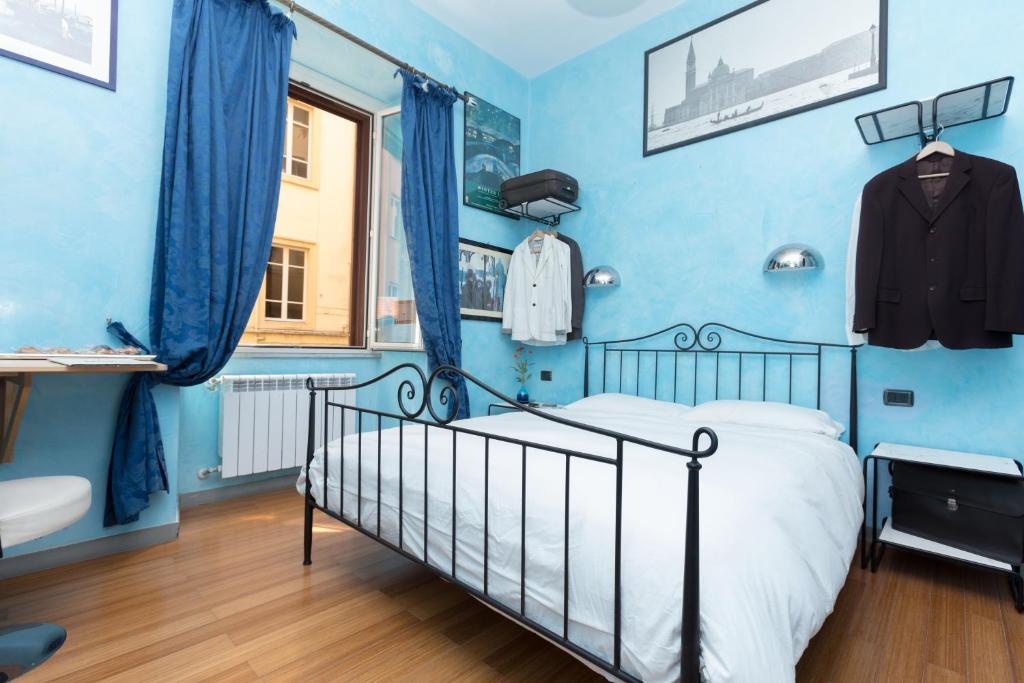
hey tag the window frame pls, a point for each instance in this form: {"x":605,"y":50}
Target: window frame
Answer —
{"x":376,"y":232}
{"x":312,"y":178}
{"x":287,"y":248}
{"x":309,"y":291}
{"x":361,"y":233}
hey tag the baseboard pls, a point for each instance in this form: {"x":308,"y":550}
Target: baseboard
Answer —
{"x":249,"y":488}
{"x":86,"y":550}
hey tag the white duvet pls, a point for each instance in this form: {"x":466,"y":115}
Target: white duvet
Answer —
{"x":779,"y":516}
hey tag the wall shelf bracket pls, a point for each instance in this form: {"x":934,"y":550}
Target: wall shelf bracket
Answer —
{"x":548,"y":211}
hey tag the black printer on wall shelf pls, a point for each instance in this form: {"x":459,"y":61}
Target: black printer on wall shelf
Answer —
{"x":542,"y":196}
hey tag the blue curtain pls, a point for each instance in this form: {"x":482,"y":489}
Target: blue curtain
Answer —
{"x":430,"y":213}
{"x":227,"y":86}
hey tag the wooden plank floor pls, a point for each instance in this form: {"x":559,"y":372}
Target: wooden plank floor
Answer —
{"x":230,"y":601}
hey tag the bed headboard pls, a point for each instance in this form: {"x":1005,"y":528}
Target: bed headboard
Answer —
{"x":684,"y":363}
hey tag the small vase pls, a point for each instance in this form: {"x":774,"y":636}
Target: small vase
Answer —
{"x":523,"y":396}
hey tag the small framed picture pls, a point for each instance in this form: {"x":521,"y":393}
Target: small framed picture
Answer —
{"x":492,"y":139}
{"x":77,"y":38}
{"x":483,"y":270}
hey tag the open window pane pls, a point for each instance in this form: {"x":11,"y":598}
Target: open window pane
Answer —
{"x":395,"y":315}
{"x":309,"y":293}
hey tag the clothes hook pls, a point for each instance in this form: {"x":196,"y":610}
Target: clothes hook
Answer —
{"x":291,"y":8}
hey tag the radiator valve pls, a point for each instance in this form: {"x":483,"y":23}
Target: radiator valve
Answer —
{"x":205,"y":472}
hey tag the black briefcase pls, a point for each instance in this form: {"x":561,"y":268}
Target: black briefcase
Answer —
{"x":533,"y":187}
{"x":978,"y":512}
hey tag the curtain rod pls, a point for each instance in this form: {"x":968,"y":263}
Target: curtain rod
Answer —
{"x":316,"y":18}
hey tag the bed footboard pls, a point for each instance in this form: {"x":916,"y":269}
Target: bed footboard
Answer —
{"x":430,"y":402}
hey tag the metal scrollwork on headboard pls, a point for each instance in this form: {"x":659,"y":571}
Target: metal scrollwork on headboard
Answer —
{"x":407,"y":388}
{"x":685,"y":338}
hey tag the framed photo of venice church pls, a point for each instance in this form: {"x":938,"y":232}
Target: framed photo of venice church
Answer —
{"x":732,"y":74}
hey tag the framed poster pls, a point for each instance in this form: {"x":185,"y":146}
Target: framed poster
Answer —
{"x":77,"y":38}
{"x":483,"y":270}
{"x":732,"y":74}
{"x":490,"y":153}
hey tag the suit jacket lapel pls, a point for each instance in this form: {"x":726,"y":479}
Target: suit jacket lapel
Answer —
{"x":910,"y":186}
{"x":545,"y":254}
{"x":957,"y":180}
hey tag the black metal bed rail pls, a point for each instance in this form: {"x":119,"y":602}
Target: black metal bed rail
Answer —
{"x":693,"y":343}
{"x":442,"y":420}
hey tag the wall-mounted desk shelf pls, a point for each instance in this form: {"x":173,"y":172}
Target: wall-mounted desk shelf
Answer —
{"x":548,"y":211}
{"x":927,"y":118}
{"x":16,"y":385}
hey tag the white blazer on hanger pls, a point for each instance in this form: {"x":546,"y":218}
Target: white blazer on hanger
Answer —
{"x":538,"y":297}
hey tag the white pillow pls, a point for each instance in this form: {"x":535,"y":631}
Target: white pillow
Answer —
{"x":766,"y":414}
{"x":625,"y":403}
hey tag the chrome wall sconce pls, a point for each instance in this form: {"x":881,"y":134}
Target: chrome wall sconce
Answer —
{"x":794,"y":257}
{"x":602,"y":276}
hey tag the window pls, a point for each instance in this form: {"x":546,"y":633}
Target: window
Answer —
{"x":395,"y":324}
{"x":286,"y":284}
{"x":298,"y":140}
{"x":314,"y":287}
{"x":326,"y":284}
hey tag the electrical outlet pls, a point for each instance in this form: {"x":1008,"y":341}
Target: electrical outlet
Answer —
{"x":545,"y":375}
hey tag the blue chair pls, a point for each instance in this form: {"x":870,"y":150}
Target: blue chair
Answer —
{"x":31,"y":508}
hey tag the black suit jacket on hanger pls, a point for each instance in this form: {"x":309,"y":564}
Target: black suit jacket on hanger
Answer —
{"x":951,"y":268}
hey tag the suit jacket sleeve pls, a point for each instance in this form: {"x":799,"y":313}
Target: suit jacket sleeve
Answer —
{"x":1004,"y":258}
{"x":869,"y":263}
{"x":567,"y":287}
{"x":576,"y":274}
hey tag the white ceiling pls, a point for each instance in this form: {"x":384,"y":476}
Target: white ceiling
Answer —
{"x":532,"y":36}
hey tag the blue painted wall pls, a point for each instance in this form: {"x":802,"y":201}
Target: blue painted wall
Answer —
{"x":689,"y":229}
{"x":412,"y":35}
{"x":79,"y":168}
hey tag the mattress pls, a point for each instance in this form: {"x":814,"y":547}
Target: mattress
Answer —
{"x":780,"y":512}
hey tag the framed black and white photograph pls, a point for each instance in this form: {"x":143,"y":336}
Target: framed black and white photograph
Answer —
{"x":77,"y":38}
{"x":492,"y":142}
{"x":734,"y":73}
{"x":483,"y":270}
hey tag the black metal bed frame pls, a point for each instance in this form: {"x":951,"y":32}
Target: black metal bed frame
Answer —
{"x":440,"y":403}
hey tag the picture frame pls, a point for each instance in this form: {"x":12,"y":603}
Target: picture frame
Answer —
{"x":483,"y":271}
{"x":75,"y":38}
{"x":492,"y":148}
{"x":728,"y":75}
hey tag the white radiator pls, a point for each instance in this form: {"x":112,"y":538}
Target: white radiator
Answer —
{"x":264,"y":420}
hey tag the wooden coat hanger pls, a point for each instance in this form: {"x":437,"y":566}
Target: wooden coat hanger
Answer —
{"x":936,"y":146}
{"x":535,"y":235}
